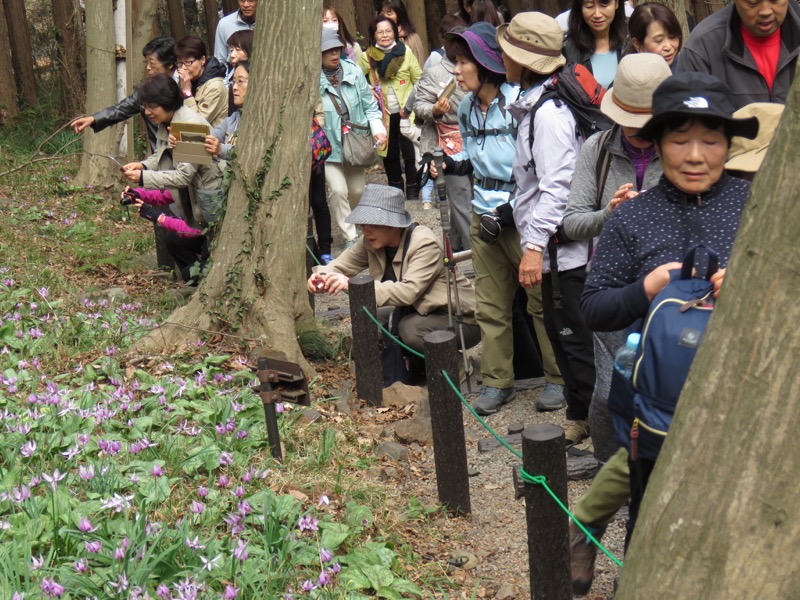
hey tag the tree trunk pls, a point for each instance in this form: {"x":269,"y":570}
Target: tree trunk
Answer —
{"x":177,"y":22}
{"x":8,"y":93}
{"x":346,"y":11}
{"x":21,"y":53}
{"x":679,"y":8}
{"x":435,"y":10}
{"x":210,"y":10}
{"x":514,"y":7}
{"x":365,"y":12}
{"x":101,"y":78}
{"x":550,"y":7}
{"x":255,"y":287}
{"x":718,"y":519}
{"x":229,"y":6}
{"x":706,"y":8}
{"x":145,"y":28}
{"x":191,"y":15}
{"x":68,"y":30}
{"x":416,"y":13}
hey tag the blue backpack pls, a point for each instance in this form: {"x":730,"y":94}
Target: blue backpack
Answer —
{"x":671,"y":335}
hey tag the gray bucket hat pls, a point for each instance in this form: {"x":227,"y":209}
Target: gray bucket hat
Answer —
{"x":330,"y":40}
{"x":380,"y":205}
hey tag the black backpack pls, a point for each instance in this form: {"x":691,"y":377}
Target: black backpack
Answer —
{"x":575,"y":86}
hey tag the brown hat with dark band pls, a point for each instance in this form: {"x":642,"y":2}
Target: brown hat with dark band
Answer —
{"x":533,"y":40}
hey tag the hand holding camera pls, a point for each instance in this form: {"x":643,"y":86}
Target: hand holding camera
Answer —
{"x":129,"y":196}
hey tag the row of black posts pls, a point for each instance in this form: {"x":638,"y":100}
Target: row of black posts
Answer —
{"x":542,"y":445}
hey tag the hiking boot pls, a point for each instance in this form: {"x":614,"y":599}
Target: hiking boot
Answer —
{"x":551,"y":398}
{"x":426,"y":206}
{"x":582,"y":555}
{"x":575,"y":431}
{"x":491,"y":399}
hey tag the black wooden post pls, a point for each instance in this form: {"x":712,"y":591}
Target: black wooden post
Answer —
{"x":548,"y":525}
{"x":369,"y":372}
{"x":269,"y":397}
{"x":449,"y":443}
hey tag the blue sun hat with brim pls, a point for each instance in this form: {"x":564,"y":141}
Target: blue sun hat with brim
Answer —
{"x":482,"y":41}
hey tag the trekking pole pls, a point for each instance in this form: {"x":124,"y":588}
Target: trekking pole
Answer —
{"x":449,"y":262}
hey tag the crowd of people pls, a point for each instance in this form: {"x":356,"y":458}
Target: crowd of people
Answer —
{"x":580,"y":231}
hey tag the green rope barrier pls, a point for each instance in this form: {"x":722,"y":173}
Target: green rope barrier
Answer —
{"x":535,"y":479}
{"x":314,"y":256}
{"x":393,"y":337}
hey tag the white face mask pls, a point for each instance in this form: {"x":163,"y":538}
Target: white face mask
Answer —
{"x":331,"y":25}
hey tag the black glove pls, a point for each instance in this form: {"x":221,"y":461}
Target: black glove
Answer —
{"x":505,"y":213}
{"x":151,"y":213}
{"x":132,"y":192}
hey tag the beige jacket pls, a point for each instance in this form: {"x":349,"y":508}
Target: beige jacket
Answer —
{"x":202,"y":182}
{"x":424,"y":281}
{"x":210,"y":100}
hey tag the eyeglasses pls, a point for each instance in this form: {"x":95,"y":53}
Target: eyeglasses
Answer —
{"x":240,"y":82}
{"x":150,"y":63}
{"x":186,"y":63}
{"x":149,"y":107}
{"x":385,"y":32}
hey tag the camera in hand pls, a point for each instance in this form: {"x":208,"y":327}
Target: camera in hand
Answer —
{"x":127,"y":198}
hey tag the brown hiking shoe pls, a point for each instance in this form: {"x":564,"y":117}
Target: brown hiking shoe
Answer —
{"x":575,"y":431}
{"x":582,"y":554}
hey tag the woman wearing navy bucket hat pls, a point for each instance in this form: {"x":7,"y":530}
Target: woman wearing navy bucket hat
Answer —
{"x":489,"y":133}
{"x":695,"y":202}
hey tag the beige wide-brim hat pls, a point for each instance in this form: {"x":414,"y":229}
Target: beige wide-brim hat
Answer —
{"x":747,"y":155}
{"x":533,"y":40}
{"x":629,"y":102}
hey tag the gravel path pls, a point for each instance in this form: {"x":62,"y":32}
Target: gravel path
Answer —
{"x":495,"y":531}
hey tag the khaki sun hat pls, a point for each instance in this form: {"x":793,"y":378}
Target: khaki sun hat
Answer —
{"x":629,"y":101}
{"x":533,"y":40}
{"x":747,"y":155}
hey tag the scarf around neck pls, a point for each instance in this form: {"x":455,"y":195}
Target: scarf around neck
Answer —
{"x":334,"y":76}
{"x":387,"y":63}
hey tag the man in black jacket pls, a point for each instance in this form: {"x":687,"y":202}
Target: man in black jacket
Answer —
{"x":751,"y":45}
{"x":159,"y":57}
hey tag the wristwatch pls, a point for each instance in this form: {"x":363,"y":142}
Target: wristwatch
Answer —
{"x":534,"y":247}
{"x":187,"y":94}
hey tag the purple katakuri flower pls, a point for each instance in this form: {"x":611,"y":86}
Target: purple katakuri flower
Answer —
{"x":54,"y":478}
{"x":308,"y":523}
{"x":202,"y":491}
{"x":85,"y":525}
{"x":223,"y":481}
{"x":324,"y":501}
{"x":93,"y":547}
{"x":198,"y":507}
{"x":194,"y":544}
{"x":308,"y":585}
{"x":157,"y":470}
{"x":163,"y":592}
{"x":244,"y":508}
{"x":80,"y":566}
{"x":20,"y":494}
{"x":335,"y":568}
{"x":241,"y":552}
{"x":238,"y":491}
{"x":51,"y":588}
{"x":325,"y":555}
{"x":37,"y":563}
{"x":225,"y":458}
{"x":230,"y":593}
{"x":121,"y":584}
{"x":28,"y":449}
{"x":324,"y":579}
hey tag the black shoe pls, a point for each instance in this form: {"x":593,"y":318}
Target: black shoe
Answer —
{"x":412,"y":191}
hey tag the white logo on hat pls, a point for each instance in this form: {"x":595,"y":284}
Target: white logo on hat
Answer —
{"x":696,"y":102}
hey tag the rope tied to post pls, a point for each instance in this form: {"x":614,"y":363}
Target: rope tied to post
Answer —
{"x":526,"y":477}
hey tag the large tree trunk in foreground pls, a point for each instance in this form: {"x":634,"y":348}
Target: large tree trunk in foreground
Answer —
{"x":256,"y":285}
{"x":434,"y":11}
{"x":21,"y":53}
{"x":68,"y":31}
{"x":177,"y":22}
{"x":365,"y":11}
{"x":346,"y":11}
{"x":101,"y":87}
{"x":719,"y":519}
{"x":210,"y":13}
{"x":8,"y":92}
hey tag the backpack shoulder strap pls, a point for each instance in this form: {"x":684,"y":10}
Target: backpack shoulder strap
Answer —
{"x":551,"y":93}
{"x":602,"y":166}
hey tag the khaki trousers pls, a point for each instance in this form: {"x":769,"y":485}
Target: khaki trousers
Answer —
{"x":496,"y":281}
{"x":345,"y":186}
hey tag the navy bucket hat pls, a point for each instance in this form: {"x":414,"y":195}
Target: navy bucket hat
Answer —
{"x":482,"y":41}
{"x":690,"y":95}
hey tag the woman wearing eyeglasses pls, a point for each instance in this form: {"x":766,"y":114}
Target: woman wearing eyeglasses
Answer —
{"x":201,"y":80}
